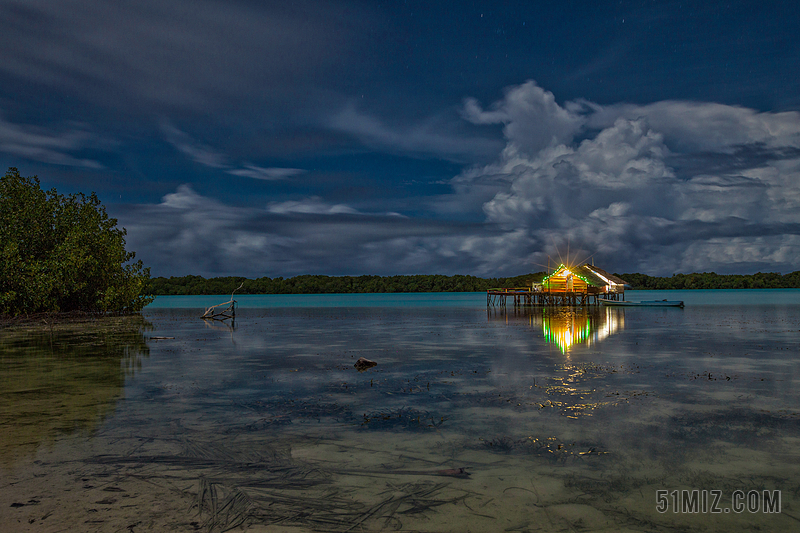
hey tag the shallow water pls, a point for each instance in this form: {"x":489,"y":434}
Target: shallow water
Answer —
{"x":560,"y":419}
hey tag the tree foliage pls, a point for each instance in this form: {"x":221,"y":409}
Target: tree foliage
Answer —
{"x":63,"y":253}
{"x":712,"y":280}
{"x":311,"y":284}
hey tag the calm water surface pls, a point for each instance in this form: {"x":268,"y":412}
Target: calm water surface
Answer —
{"x":474,"y":419}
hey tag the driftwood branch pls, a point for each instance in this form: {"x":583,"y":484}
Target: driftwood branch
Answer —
{"x":227,"y":312}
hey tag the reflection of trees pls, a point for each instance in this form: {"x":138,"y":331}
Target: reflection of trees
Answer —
{"x":566,"y":326}
{"x":61,"y":378}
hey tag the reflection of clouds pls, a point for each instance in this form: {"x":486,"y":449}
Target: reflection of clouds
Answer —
{"x":308,"y":354}
{"x":495,"y":382}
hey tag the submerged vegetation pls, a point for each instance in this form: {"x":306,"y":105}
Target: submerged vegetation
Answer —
{"x":310,"y":284}
{"x":63,"y":253}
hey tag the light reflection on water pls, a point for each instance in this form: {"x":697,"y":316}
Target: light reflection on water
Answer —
{"x":561,"y":419}
{"x":565,"y":326}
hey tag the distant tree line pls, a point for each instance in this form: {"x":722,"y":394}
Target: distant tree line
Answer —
{"x":315,"y":284}
{"x":312,"y":284}
{"x":712,"y":280}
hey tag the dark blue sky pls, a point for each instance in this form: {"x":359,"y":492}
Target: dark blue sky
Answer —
{"x":384,"y":137}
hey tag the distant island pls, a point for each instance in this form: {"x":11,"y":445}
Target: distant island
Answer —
{"x":317,"y":284}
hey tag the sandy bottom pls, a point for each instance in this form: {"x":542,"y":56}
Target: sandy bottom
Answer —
{"x":463,"y":426}
{"x":304,"y":479}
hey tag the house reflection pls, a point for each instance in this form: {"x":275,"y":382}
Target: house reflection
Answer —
{"x":566,"y":326}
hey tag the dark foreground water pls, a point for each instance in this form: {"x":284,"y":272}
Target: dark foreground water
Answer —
{"x":472,"y":420}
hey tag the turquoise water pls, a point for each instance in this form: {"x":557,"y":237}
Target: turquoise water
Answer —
{"x":473,"y":419}
{"x":465,"y":299}
{"x":722,"y":297}
{"x":255,"y":301}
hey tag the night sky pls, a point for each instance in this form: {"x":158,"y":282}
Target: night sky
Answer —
{"x":260,"y":138}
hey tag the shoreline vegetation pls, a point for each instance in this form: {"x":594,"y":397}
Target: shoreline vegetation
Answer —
{"x":63,"y":253}
{"x":318,"y":284}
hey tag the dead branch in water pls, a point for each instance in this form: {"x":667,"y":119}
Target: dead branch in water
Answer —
{"x":228,"y":312}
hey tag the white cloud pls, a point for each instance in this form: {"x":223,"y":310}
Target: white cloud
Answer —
{"x":706,"y":126}
{"x":185,"y":198}
{"x":188,"y":233}
{"x":432,"y":137}
{"x":267,"y":174}
{"x":207,"y":156}
{"x":615,"y":194}
{"x":195,"y":234}
{"x":638,"y":191}
{"x":573,"y":181}
{"x":531,"y":117}
{"x":309,"y":206}
{"x":43,"y":144}
{"x":771,"y":249}
{"x":317,"y":206}
{"x":152,"y":53}
{"x":197,"y":152}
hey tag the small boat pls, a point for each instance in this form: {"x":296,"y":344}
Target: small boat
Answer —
{"x":646,"y":303}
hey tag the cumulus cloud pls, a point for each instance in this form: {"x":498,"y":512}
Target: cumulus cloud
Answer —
{"x":47,"y":146}
{"x":188,"y":233}
{"x":706,"y":126}
{"x":652,"y":189}
{"x":531,"y":118}
{"x":660,"y":188}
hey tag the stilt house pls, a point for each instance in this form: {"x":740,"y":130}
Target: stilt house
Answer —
{"x":585,"y":279}
{"x":567,"y":286}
